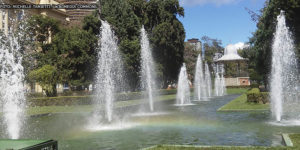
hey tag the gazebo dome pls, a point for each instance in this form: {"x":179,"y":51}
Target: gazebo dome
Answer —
{"x":231,"y":54}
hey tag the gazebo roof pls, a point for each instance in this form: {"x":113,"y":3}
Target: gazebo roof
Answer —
{"x":231,"y":53}
{"x":230,"y":57}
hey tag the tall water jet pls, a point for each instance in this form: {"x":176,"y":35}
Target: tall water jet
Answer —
{"x":109,"y":74}
{"x":284,"y":74}
{"x":199,"y":80}
{"x":183,"y":89}
{"x":12,"y":95}
{"x":220,"y":87}
{"x":148,"y":71}
{"x":208,"y":81}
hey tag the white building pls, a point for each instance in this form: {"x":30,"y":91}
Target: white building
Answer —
{"x":195,"y":43}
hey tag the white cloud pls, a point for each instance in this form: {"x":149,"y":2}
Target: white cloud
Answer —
{"x":232,"y":48}
{"x":203,"y":2}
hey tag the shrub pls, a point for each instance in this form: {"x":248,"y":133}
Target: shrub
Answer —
{"x":60,"y":101}
{"x":255,"y":96}
{"x":254,"y":85}
{"x":240,"y":86}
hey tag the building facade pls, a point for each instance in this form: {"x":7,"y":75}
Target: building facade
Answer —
{"x":238,"y":81}
{"x":77,"y":15}
{"x":195,"y":43}
{"x":9,"y":18}
{"x":7,"y":15}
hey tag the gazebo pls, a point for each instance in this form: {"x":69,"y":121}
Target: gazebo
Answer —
{"x":231,"y":56}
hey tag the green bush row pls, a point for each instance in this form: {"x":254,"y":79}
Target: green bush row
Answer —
{"x":87,"y":100}
{"x":255,"y":96}
{"x":240,"y":86}
{"x":60,"y":101}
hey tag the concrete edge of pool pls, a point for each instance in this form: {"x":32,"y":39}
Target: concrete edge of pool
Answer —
{"x":285,"y":139}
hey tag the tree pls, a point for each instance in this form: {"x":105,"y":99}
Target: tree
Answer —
{"x":92,"y":23}
{"x":262,"y":39}
{"x":211,"y":47}
{"x":46,"y":76}
{"x":75,"y":57}
{"x":168,"y":43}
{"x":70,"y":51}
{"x":190,"y":59}
{"x":42,"y":28}
{"x":127,"y":27}
{"x":167,"y":36}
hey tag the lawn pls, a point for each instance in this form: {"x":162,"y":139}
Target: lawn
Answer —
{"x":86,"y":108}
{"x":237,"y":90}
{"x":241,"y":104}
{"x":294,"y":137}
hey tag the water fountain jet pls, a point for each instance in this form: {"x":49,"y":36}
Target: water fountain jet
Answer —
{"x":183,"y":89}
{"x":199,"y":80}
{"x":148,"y":75}
{"x":109,"y":74}
{"x":220,"y":87}
{"x":12,"y":93}
{"x":208,"y":81}
{"x":284,"y":74}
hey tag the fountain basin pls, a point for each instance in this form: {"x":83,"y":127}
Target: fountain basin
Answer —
{"x":28,"y":144}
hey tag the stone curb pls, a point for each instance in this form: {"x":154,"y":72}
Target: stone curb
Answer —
{"x":286,"y":139}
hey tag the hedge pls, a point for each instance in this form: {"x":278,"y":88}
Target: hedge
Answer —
{"x":255,"y":96}
{"x":239,"y":86}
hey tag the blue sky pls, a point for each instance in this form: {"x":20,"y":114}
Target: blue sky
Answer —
{"x":226,"y":20}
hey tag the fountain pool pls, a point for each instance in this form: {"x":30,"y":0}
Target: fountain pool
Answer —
{"x":198,"y":124}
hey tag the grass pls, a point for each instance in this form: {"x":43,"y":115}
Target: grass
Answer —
{"x":237,"y":90}
{"x":169,"y":147}
{"x":31,"y":111}
{"x":241,"y":104}
{"x":294,"y":137}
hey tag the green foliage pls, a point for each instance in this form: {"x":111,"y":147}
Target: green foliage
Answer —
{"x":241,"y":104}
{"x":190,"y":59}
{"x":42,"y":27}
{"x":211,"y":47}
{"x":262,"y":39}
{"x":190,"y":147}
{"x":254,"y":85}
{"x":127,"y":26}
{"x":167,"y":36}
{"x":168,"y":41}
{"x":255,"y":96}
{"x":70,"y":51}
{"x":75,"y":57}
{"x":165,"y":31}
{"x":91,"y":23}
{"x":46,"y":76}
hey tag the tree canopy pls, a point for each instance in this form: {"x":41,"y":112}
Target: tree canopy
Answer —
{"x":262,"y":39}
{"x":70,"y":54}
{"x":166,"y":33}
